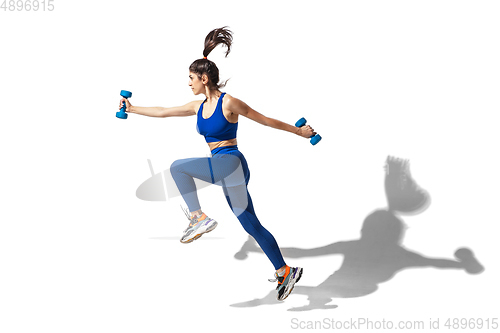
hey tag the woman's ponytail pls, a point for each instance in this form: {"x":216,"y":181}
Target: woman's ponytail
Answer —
{"x":216,"y":37}
{"x":203,"y":66}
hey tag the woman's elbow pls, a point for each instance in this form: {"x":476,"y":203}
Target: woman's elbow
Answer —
{"x":268,"y":122}
{"x":163,"y":112}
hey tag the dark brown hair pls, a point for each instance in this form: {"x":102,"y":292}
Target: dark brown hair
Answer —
{"x":204,"y":66}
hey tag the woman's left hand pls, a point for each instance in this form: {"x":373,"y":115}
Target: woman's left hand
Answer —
{"x":306,"y":131}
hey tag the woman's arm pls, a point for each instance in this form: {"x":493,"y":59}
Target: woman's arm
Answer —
{"x":158,"y":111}
{"x":239,"y":107}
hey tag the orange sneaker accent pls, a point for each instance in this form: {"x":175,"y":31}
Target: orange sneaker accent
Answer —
{"x":287,"y":271}
{"x":201,"y":218}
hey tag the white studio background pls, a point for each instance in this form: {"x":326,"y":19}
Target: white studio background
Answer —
{"x":79,"y":252}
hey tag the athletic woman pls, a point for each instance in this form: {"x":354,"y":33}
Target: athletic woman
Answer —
{"x":217,"y":120}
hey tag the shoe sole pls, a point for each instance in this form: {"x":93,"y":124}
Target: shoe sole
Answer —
{"x":198,"y":235}
{"x":288,"y":292}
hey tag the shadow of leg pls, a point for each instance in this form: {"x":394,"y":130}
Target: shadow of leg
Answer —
{"x":249,"y":246}
{"x":269,"y":299}
{"x":317,"y":300}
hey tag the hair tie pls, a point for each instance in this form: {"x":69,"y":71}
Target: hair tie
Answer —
{"x":204,"y":57}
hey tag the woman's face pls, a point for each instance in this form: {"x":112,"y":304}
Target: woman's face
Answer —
{"x":196,"y":84}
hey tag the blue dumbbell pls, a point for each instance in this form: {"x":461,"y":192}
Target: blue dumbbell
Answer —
{"x":315,"y":138}
{"x":121,"y":114}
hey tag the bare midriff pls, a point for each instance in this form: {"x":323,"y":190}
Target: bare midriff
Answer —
{"x":218,"y":144}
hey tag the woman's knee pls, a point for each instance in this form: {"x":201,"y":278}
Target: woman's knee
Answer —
{"x":176,"y":167}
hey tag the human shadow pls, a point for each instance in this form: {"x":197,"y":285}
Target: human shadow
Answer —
{"x":377,"y":255}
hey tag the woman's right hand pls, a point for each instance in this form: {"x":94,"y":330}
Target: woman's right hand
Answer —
{"x":306,"y":131}
{"x":127,"y":104}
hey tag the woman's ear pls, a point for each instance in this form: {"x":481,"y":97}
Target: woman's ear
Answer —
{"x":204,"y":79}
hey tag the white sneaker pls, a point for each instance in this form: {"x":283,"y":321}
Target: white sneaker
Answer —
{"x":197,"y":226}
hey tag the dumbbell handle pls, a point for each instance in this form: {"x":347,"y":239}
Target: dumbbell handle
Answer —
{"x":301,"y":122}
{"x":314,"y":138}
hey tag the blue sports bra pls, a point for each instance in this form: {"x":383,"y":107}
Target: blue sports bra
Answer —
{"x":216,"y":127}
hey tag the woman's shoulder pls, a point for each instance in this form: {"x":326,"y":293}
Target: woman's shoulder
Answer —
{"x":195,"y":105}
{"x":229,"y":106}
{"x":230,"y":100}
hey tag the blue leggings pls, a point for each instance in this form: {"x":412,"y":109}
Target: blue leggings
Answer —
{"x":228,"y":168}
